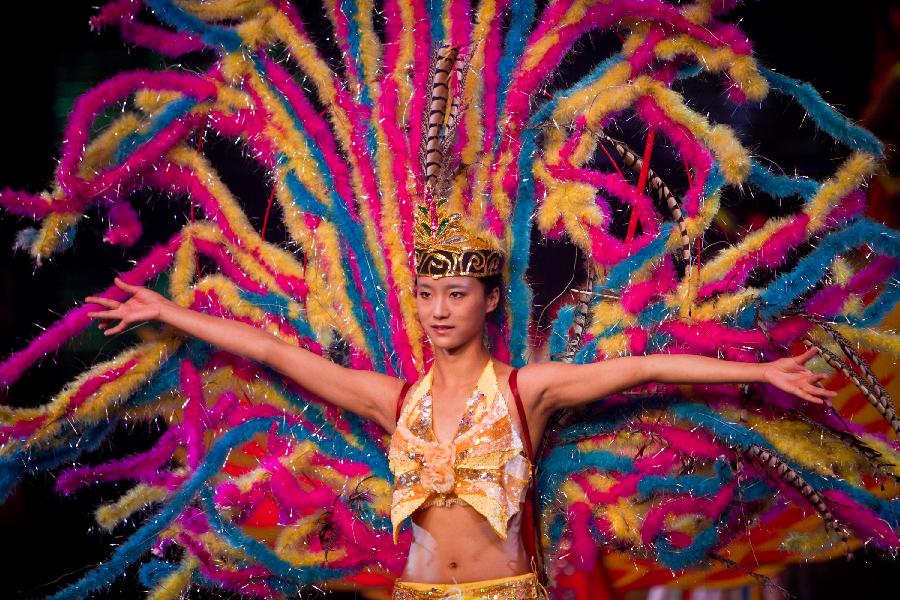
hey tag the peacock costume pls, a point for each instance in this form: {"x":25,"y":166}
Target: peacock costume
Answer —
{"x":258,"y":487}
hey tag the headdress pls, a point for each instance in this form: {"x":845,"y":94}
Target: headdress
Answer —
{"x":444,"y":244}
{"x":445,"y":247}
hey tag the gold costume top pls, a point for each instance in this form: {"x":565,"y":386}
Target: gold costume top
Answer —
{"x":485,"y":466}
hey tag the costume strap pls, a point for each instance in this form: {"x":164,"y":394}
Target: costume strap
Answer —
{"x":406,"y":386}
{"x":514,"y":388}
{"x":531,"y":534}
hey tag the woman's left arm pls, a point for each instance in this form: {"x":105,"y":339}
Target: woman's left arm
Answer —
{"x":559,"y":385}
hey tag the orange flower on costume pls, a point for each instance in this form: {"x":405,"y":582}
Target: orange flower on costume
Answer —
{"x":438,"y":472}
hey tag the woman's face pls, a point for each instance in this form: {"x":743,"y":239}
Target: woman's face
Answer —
{"x":452,"y":310}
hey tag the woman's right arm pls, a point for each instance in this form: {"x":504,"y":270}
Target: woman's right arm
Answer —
{"x":366,"y":393}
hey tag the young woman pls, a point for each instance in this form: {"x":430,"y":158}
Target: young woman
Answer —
{"x":456,"y":549}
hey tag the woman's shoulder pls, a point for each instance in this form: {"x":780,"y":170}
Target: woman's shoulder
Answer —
{"x":527,"y":373}
{"x":528,"y":370}
{"x":533,"y":379}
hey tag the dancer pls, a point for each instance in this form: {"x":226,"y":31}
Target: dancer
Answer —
{"x":483,"y":467}
{"x":446,"y":138}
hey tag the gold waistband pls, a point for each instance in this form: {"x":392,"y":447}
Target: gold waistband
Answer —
{"x":518,"y":587}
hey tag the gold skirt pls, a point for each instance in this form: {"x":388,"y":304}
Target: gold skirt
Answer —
{"x":518,"y":587}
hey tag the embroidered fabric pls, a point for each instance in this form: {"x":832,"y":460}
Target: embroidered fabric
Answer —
{"x":485,"y":466}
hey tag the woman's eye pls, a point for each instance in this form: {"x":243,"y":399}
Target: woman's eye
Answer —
{"x":456,"y":294}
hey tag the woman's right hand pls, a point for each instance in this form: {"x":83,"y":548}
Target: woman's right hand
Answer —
{"x":143,"y":305}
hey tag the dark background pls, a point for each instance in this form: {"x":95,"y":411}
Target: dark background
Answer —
{"x":50,"y":56}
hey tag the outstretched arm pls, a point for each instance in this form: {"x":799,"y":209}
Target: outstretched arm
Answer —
{"x":365,"y":393}
{"x":557,"y":385}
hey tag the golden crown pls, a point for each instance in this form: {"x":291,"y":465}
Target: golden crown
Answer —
{"x":444,"y":247}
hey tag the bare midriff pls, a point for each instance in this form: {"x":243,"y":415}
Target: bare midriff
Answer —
{"x":455,"y":544}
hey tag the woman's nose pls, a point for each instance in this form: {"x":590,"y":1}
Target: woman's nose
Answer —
{"x":440,"y":307}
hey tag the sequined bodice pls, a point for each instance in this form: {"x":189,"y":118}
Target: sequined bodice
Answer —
{"x":485,"y":465}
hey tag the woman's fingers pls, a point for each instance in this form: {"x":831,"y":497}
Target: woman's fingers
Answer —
{"x":816,"y":380}
{"x":126,"y":287}
{"x":816,"y":388}
{"x":801,"y":382}
{"x":107,"y":302}
{"x":802,"y":358}
{"x":821,"y":391}
{"x":114,"y":310}
{"x":118,"y":328}
{"x":809,"y":396}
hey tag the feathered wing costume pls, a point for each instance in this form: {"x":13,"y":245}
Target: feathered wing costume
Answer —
{"x":258,"y":487}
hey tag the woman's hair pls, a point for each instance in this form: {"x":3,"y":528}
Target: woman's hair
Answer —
{"x":496,"y":316}
{"x":491,"y":282}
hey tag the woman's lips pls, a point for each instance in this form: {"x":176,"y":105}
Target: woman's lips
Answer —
{"x":441,"y":328}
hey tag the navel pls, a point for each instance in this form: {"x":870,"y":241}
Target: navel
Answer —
{"x":453,"y":564}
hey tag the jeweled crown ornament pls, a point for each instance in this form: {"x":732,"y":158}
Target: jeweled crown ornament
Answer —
{"x":444,"y":246}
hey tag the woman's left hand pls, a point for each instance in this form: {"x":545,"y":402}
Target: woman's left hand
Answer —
{"x":790,"y":375}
